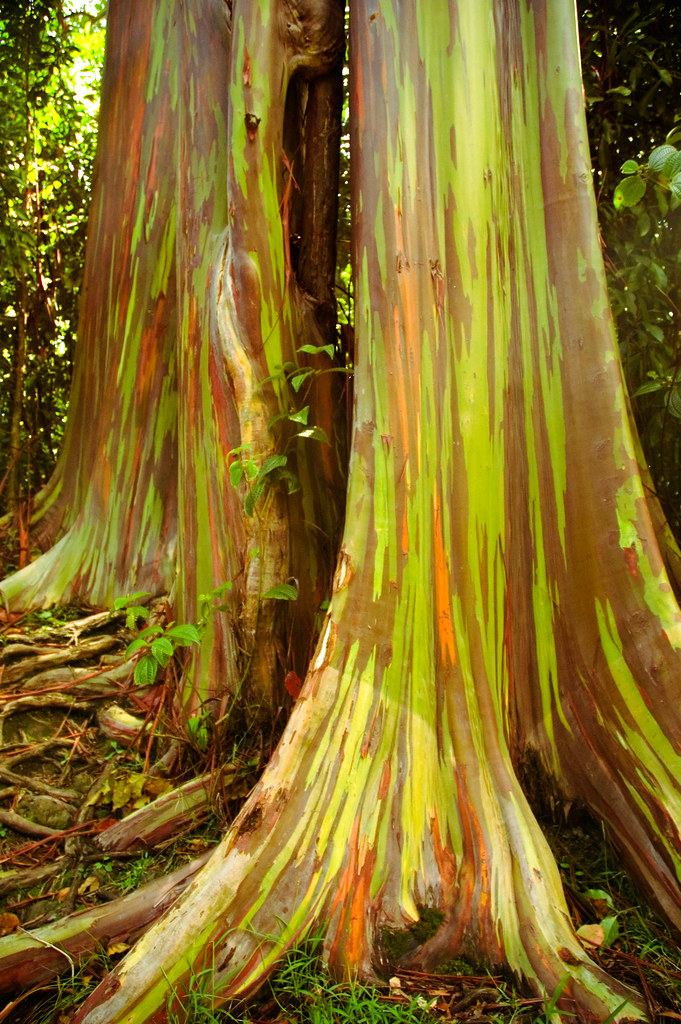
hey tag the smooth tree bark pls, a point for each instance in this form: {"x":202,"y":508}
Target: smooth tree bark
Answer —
{"x":499,"y":600}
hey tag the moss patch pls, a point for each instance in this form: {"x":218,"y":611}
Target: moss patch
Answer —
{"x":400,"y":943}
{"x":458,"y":966}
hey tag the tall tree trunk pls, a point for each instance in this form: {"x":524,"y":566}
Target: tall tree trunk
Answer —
{"x":111,"y":504}
{"x":498,"y":589}
{"x":190,"y":312}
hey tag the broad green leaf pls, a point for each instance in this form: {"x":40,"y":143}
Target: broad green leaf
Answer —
{"x":675,"y":185}
{"x":629,"y":167}
{"x":182,"y":636}
{"x":661,"y":281}
{"x":675,"y":403}
{"x":649,"y":387}
{"x":236,"y":472}
{"x":123,"y":602}
{"x":151,"y":631}
{"x":629,"y":191}
{"x":659,"y":156}
{"x":145,"y":670}
{"x":270,"y":464}
{"x":163,"y":650}
{"x":298,"y":379}
{"x":253,"y":496}
{"x":300,"y":416}
{"x":197,"y":732}
{"x":643,"y":223}
{"x":665,"y":75}
{"x":282,"y":592}
{"x":656,"y":332}
{"x":314,"y":350}
{"x":672,"y":166}
{"x":291,"y":480}
{"x":599,"y":894}
{"x":133,"y":614}
{"x":611,"y":930}
{"x":315,"y":434}
{"x":137,"y":644}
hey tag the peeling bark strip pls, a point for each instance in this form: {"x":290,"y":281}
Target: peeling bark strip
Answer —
{"x":486,"y":599}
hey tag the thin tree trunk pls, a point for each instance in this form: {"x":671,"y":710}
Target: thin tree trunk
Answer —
{"x":13,"y":483}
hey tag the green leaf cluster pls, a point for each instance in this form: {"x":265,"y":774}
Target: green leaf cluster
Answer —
{"x":154,"y":644}
{"x":663,"y":170}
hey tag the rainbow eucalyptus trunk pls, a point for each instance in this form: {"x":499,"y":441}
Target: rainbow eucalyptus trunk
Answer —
{"x":191,"y":320}
{"x":499,"y":596}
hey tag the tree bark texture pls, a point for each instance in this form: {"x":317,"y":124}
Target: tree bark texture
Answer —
{"x":498,"y":593}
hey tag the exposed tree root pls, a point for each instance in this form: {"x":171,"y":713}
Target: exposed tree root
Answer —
{"x":361,"y":849}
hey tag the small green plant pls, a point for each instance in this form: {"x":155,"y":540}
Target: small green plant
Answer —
{"x":156,"y":644}
{"x":258,"y":474}
{"x":135,"y":873}
{"x":132,"y":605}
{"x":255,"y":470}
{"x":198,"y":731}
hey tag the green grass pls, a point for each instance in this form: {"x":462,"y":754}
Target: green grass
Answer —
{"x":302,"y":992}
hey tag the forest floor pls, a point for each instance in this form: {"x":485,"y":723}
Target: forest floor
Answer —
{"x":103,"y":797}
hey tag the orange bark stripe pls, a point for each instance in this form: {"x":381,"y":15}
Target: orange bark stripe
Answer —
{"x":400,"y":393}
{"x":444,"y":616}
{"x":352,"y":895}
{"x":385,"y":781}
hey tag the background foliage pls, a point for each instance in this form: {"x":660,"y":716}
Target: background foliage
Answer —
{"x":631,"y":64}
{"x":50,"y":60}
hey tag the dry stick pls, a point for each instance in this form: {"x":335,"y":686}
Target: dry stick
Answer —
{"x":619,"y":953}
{"x":73,"y":685}
{"x":69,"y":795}
{"x":25,"y":878}
{"x":92,"y":827}
{"x":60,"y":656}
{"x":646,"y":991}
{"x":35,"y":749}
{"x":9,"y":1009}
{"x":21,"y":824}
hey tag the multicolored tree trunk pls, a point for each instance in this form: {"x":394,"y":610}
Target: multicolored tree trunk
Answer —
{"x":499,"y":595}
{"x":190,"y":311}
